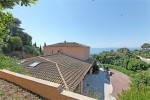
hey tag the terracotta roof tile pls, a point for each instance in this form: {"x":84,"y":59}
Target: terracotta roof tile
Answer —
{"x":68,"y":44}
{"x":73,"y":70}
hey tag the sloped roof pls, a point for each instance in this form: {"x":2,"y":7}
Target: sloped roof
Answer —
{"x":60,"y":69}
{"x":68,"y":44}
{"x":45,"y":70}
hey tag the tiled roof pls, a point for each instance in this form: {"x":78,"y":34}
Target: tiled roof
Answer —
{"x":72,"y":70}
{"x":68,"y":44}
{"x":45,"y":70}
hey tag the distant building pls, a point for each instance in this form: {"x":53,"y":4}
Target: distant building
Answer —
{"x":73,"y":49}
{"x":64,"y":63}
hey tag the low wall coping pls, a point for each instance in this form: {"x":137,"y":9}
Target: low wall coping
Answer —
{"x":56,"y":85}
{"x":59,"y":94}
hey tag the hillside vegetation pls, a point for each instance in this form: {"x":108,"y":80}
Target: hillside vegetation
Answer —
{"x":127,"y":62}
{"x":14,"y":41}
{"x":19,"y":43}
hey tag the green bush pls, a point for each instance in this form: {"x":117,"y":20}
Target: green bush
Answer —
{"x":119,"y":68}
{"x":135,"y":65}
{"x":15,"y":43}
{"x":11,"y":64}
{"x":95,"y":67}
{"x":134,"y":93}
{"x":30,"y":49}
{"x":140,"y":87}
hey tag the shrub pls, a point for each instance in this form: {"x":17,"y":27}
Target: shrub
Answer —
{"x":11,"y":64}
{"x":95,"y":67}
{"x":30,"y":49}
{"x":15,"y":43}
{"x":134,"y":93}
{"x":135,"y":65}
{"x":140,"y":87}
{"x":119,"y":68}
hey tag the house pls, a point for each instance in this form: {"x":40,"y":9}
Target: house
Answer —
{"x":64,"y":63}
{"x":73,"y":49}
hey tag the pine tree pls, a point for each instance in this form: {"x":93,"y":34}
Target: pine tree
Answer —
{"x":35,"y":44}
{"x":44,"y":44}
{"x":41,"y":50}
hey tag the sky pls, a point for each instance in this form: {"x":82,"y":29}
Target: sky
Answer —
{"x":98,"y":23}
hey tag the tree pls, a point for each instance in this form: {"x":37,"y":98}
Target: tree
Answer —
{"x":15,"y":30}
{"x":145,"y":46}
{"x":11,"y":3}
{"x":44,"y":44}
{"x":123,"y":50}
{"x":6,"y":18}
{"x":35,"y":44}
{"x":41,"y":50}
{"x":15,"y":43}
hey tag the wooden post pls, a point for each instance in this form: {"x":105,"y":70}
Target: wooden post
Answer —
{"x":81,"y":87}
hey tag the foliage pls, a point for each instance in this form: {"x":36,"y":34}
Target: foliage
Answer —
{"x":145,"y":46}
{"x":140,"y":87}
{"x":135,"y":65}
{"x":135,"y":94}
{"x":143,"y":53}
{"x":17,"y":31}
{"x":11,"y":64}
{"x":44,"y":44}
{"x":15,"y":43}
{"x":119,"y":68}
{"x":6,"y":18}
{"x":122,"y":57}
{"x":6,"y":48}
{"x":92,"y":92}
{"x":35,"y":44}
{"x":31,"y":49}
{"x":127,"y":62}
{"x":95,"y":67}
{"x":123,"y":50}
{"x":11,"y":3}
{"x":41,"y":51}
{"x":140,"y":78}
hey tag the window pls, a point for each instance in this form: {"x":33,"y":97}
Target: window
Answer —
{"x":34,"y":64}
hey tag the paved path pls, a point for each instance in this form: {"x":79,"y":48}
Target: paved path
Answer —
{"x":144,"y":59}
{"x":99,"y":85}
{"x":119,"y":81}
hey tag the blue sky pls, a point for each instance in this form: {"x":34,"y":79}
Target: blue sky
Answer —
{"x":99,"y":24}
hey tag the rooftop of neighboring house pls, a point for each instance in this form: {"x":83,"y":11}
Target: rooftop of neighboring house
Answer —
{"x":59,"y":68}
{"x":68,"y":44}
{"x":9,"y":91}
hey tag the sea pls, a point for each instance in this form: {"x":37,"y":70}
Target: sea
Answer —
{"x":99,"y":50}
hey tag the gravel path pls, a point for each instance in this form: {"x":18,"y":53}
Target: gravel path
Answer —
{"x":144,"y":59}
{"x":119,"y":81}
